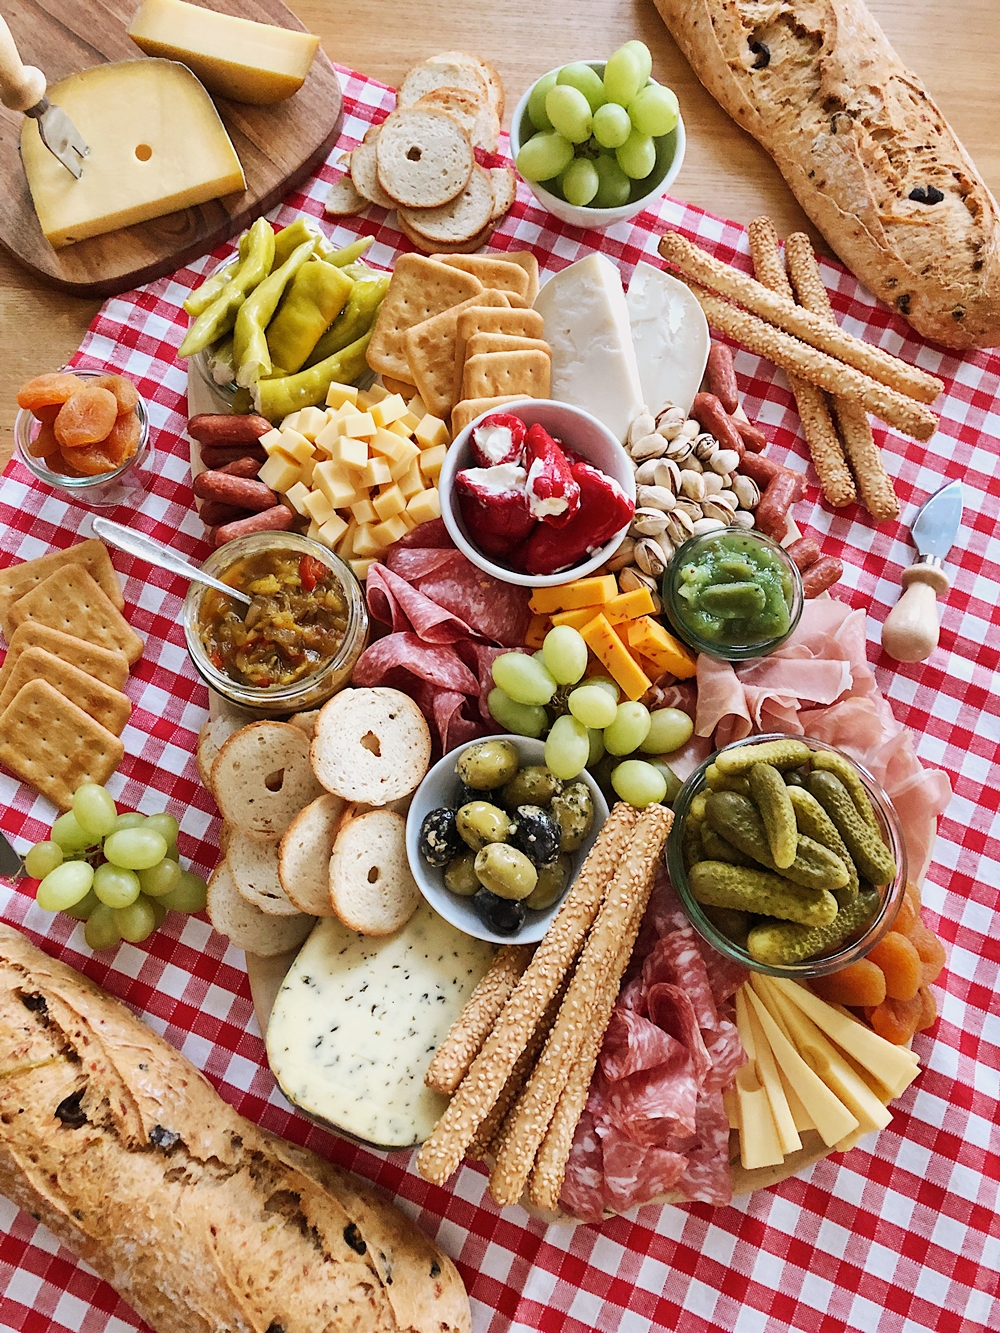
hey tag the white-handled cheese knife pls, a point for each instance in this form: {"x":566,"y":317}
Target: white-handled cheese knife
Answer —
{"x":22,"y":88}
{"x":911,"y":629}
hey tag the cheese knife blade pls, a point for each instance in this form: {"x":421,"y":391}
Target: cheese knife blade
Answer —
{"x":936,"y":525}
{"x":22,"y":88}
{"x":11,"y":866}
{"x":911,"y":629}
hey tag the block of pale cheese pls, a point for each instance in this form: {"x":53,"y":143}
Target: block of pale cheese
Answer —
{"x":670,"y":336}
{"x":233,"y":57}
{"x":358,"y":1018}
{"x":156,"y":145}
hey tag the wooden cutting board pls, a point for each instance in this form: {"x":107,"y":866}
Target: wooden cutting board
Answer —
{"x":278,"y":146}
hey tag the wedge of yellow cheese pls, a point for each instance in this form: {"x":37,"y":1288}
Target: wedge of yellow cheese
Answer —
{"x":233,"y":57}
{"x":156,"y":145}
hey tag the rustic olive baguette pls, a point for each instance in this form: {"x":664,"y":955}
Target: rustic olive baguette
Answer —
{"x":864,"y":149}
{"x":199,"y":1219}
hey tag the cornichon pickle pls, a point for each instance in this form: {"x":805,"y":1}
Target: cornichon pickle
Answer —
{"x":871,"y":856}
{"x":841,"y":767}
{"x":737,"y":819}
{"x":696,"y":810}
{"x":717,"y":781}
{"x":721,"y":885}
{"x":732,"y":601}
{"x":691,"y":848}
{"x":778,"y":943}
{"x":734,"y":925}
{"x":786,"y":753}
{"x":813,"y":821}
{"x":771,"y":797}
{"x":716,"y":848}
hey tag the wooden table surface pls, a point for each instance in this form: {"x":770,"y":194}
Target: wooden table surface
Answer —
{"x":955,"y":48}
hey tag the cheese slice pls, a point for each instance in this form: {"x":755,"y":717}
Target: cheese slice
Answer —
{"x":670,"y":336}
{"x":767,"y":1072}
{"x":358,"y":1018}
{"x":233,"y":57}
{"x":587,"y":327}
{"x":156,"y":145}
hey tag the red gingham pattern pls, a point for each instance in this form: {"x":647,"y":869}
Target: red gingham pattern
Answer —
{"x":898,"y":1235}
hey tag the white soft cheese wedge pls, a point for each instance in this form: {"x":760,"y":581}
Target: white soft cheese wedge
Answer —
{"x":670,"y":335}
{"x":358,"y":1018}
{"x":587,"y":327}
{"x":156,"y":145}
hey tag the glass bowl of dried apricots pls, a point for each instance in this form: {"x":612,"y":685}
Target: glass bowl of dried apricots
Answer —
{"x":86,"y":433}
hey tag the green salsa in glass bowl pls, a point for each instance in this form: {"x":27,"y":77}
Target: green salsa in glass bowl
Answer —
{"x":732,"y":594}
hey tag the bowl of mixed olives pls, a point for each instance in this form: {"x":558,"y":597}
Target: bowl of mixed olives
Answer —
{"x":494,"y":838}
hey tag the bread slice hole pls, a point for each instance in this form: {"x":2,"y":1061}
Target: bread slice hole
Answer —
{"x":371,"y":743}
{"x":373,"y":875}
{"x":275,"y":781}
{"x":414,"y":154}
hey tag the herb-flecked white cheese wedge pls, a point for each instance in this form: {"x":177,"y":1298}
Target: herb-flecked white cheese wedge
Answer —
{"x":358,"y":1018}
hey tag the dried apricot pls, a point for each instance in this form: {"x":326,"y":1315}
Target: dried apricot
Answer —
{"x":47,"y":413}
{"x":125,"y":392}
{"x":860,"y":983}
{"x":913,"y":892}
{"x":123,"y":438}
{"x":900,"y":963}
{"x":59,"y":463}
{"x":46,"y":390}
{"x":45,"y":443}
{"x":928,"y":1013}
{"x":908,"y":913}
{"x":896,"y":1020}
{"x":930,"y":951}
{"x":86,"y":417}
{"x":91,"y":459}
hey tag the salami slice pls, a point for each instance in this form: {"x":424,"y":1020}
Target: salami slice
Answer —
{"x":634,"y":1174}
{"x":670,"y":1008}
{"x":583,"y":1187}
{"x":497,"y":611}
{"x":397,"y":603}
{"x":433,"y":535}
{"x":453,"y":726}
{"x":438,"y":664}
{"x":632,"y":1043}
{"x":416,"y":563}
{"x":706,"y":1178}
{"x":727,"y":1055}
{"x":677,"y":959}
{"x":655,"y":1105}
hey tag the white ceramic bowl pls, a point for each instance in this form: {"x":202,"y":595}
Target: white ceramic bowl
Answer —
{"x":579,"y":431}
{"x":438,"y":788}
{"x":669,"y":160}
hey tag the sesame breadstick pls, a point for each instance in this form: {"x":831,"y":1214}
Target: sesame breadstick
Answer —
{"x":785,"y":314}
{"x":877,"y":492}
{"x":809,"y":364}
{"x":473,"y":1025}
{"x":482,"y":1085}
{"x":817,"y":425}
{"x":617,"y":924}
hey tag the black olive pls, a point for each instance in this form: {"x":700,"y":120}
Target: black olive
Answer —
{"x":536,"y":834}
{"x":464,"y":794}
{"x":926,"y":194}
{"x":439,"y":839}
{"x":762,"y":51}
{"x":504,"y":916}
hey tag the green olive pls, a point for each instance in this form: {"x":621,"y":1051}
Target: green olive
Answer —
{"x":505,"y":871}
{"x":479,"y":823}
{"x":487,"y":764}
{"x":552,"y":881}
{"x":573,"y":808}
{"x":460,"y":875}
{"x":533,"y":785}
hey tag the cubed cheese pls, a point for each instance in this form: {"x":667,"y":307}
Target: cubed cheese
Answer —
{"x":295,"y":445}
{"x":375,"y":473}
{"x":364,"y":511}
{"x":408,"y":421}
{"x":388,"y":410}
{"x":345,"y":547}
{"x":425,"y":506}
{"x":333,"y":481}
{"x":432,"y":461}
{"x":360,"y":426}
{"x":307,"y":469}
{"x":390,"y":501}
{"x":317,"y":506}
{"x":390,"y":531}
{"x":375,"y":393}
{"x":291,"y":422}
{"x":271,"y":439}
{"x":296,"y":495}
{"x":360,"y":567}
{"x":387,"y":444}
{"x":594,"y":591}
{"x":605,"y":644}
{"x":365,"y":544}
{"x":411,"y":481}
{"x":399,"y":428}
{"x":339,"y":394}
{"x":311,"y":421}
{"x":430,"y":431}
{"x":417,"y":408}
{"x":279,"y":472}
{"x":332,"y":530}
{"x":352,"y":452}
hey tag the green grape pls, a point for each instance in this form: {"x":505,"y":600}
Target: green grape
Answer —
{"x":42,"y":858}
{"x":116,"y":887}
{"x":612,"y":125}
{"x":189,"y":896}
{"x":545,"y":155}
{"x":536,"y":103}
{"x":101,"y":930}
{"x":654,"y":110}
{"x":642,"y":53}
{"x":628,"y":730}
{"x":521,"y":719}
{"x":569,"y":112}
{"x":567,"y":747}
{"x":606,"y":683}
{"x":159,"y":911}
{"x":67,"y":832}
{"x":95,"y":810}
{"x":580,"y":182}
{"x":165,"y":824}
{"x":586,"y":80}
{"x":65,"y":885}
{"x":81,"y":911}
{"x":623,"y":76}
{"x":173,"y":854}
{"x":135,"y":849}
{"x":596,"y":746}
{"x":673,"y":782}
{"x":162,"y":878}
{"x":638,"y":783}
{"x":524,"y":679}
{"x":593,"y":706}
{"x":637,"y":156}
{"x":135,"y":922}
{"x":669,"y":729}
{"x":614,"y":186}
{"x":131,"y":820}
{"x":565,"y":654}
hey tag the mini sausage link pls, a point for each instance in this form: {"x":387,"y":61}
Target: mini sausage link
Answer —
{"x":240,"y":467}
{"x":721,"y":376}
{"x":217,"y":456}
{"x":771,"y":515}
{"x":803,"y":553}
{"x":822,"y":575}
{"x":278,"y":519}
{"x":752,"y":436}
{"x":711,"y":416}
{"x":214,"y":512}
{"x":760,"y":469}
{"x":242,"y":491}
{"x":226,"y":428}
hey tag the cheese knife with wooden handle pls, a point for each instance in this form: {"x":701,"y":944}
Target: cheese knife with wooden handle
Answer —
{"x":22,"y":88}
{"x":911,"y":629}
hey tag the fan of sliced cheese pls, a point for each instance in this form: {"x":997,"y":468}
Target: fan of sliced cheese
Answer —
{"x":810,"y":1066}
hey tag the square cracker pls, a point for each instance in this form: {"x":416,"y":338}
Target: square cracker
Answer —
{"x":505,"y":342}
{"x":20,"y":579}
{"x":419,"y":289}
{"x":109,"y":707}
{"x":529,"y":263}
{"x":493,"y":373}
{"x":477,"y":319}
{"x":430,"y":351}
{"x":470,"y":408}
{"x":492,"y":271}
{"x":101,"y":663}
{"x":49,"y":742}
{"x":71,"y":601}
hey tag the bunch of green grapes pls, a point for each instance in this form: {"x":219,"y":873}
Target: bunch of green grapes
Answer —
{"x":118,"y":873}
{"x":594,"y":137}
{"x":596,"y":724}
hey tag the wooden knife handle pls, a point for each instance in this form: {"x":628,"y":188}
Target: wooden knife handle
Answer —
{"x":21,"y":86}
{"x":911,"y":629}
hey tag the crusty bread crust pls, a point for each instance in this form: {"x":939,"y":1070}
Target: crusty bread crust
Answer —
{"x":200,"y":1220}
{"x":854,"y":133}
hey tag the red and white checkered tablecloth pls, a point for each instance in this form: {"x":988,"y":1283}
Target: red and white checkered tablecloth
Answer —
{"x":899,"y":1235}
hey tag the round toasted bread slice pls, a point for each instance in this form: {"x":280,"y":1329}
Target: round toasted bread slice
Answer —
{"x":213,"y":735}
{"x":307,"y":721}
{"x":364,"y":175}
{"x":461,"y":220}
{"x":424,"y":157}
{"x":371,"y":745}
{"x":342,"y":198}
{"x":487,"y":72}
{"x":254,"y":867}
{"x":305,"y":851}
{"x":262,"y":778}
{"x":443,"y":73}
{"x":247,"y":926}
{"x":371,"y":888}
{"x":476,"y":117}
{"x":504,"y":184}
{"x":437,"y":247}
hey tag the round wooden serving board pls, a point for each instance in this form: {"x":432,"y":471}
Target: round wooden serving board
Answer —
{"x":278,"y":146}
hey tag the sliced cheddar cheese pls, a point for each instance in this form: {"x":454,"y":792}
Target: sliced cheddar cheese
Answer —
{"x":605,"y":644}
{"x":570,"y":596}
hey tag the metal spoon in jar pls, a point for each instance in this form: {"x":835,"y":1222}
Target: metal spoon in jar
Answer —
{"x":138,"y":544}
